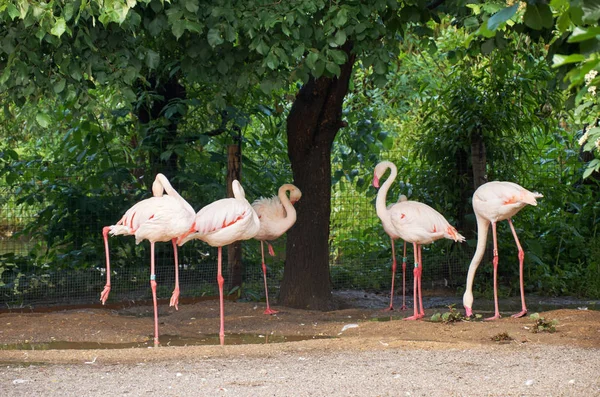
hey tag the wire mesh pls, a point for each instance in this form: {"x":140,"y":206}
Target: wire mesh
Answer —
{"x":360,"y":255}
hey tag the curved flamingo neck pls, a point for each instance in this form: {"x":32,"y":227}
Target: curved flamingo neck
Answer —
{"x":161,"y":184}
{"x":287,"y":204}
{"x":483,"y":225}
{"x":383,"y":191}
{"x":238,"y":190}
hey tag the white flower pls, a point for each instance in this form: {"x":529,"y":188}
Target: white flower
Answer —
{"x":591,"y":75}
{"x":597,"y":143}
{"x":583,"y":138}
{"x":592,"y":89}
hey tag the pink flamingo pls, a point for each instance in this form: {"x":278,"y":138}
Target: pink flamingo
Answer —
{"x":221,"y":223}
{"x":413,"y":222}
{"x":394,"y":267}
{"x":159,"y":218}
{"x":493,"y":202}
{"x":277,"y":215}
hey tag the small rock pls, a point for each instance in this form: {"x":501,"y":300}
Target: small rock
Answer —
{"x":19,"y":381}
{"x":529,"y":382}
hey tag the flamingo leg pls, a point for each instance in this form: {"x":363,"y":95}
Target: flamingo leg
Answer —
{"x":106,"y":291}
{"x":221,"y":281}
{"x":271,"y":250}
{"x":521,"y":258}
{"x":175,"y":296}
{"x":404,"y":280}
{"x":420,"y":272}
{"x":415,"y":315}
{"x":268,"y":310}
{"x":495,"y":263}
{"x":394,"y":266}
{"x":153,"y":286}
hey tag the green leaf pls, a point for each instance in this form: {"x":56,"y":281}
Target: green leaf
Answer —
{"x":333,"y":68}
{"x":59,"y":27}
{"x":591,"y":11}
{"x":177,"y":29}
{"x":582,"y":34}
{"x":502,"y":16}
{"x":340,"y":18}
{"x":338,"y":56}
{"x":192,"y":6}
{"x":538,"y":16}
{"x":588,"y":171}
{"x":488,"y":46}
{"x":214,"y":37}
{"x":311,"y":59}
{"x":152,"y":59}
{"x":560,"y":60}
{"x":42,"y":119}
{"x":12,"y":11}
{"x":339,"y":38}
{"x":59,"y":86}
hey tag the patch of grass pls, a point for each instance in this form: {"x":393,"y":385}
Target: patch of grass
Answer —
{"x":450,"y":316}
{"x":502,"y":337}
{"x":542,"y":325}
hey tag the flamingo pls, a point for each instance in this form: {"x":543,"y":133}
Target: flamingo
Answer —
{"x":159,"y":218}
{"x":413,"y":222}
{"x":221,"y":223}
{"x":394,"y":266}
{"x":493,"y":202}
{"x":277,"y":215}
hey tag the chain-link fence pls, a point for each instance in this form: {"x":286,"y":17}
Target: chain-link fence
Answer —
{"x":360,"y":256}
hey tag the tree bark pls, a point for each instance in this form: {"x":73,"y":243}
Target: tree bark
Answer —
{"x":478,"y":159}
{"x":313,"y":122}
{"x":167,"y":91}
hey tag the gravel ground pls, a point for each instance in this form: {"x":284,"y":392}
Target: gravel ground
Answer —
{"x":504,"y":370}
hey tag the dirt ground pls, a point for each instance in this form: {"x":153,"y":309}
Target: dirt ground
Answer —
{"x":357,"y":338}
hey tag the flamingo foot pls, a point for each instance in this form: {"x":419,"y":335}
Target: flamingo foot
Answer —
{"x":388,"y":309}
{"x":412,"y":318}
{"x":404,"y":307}
{"x":104,"y":294}
{"x":222,"y":339}
{"x":496,"y":317}
{"x":271,"y":250}
{"x":520,"y":314}
{"x":175,"y":299}
{"x":268,"y":310}
{"x":421,"y":315}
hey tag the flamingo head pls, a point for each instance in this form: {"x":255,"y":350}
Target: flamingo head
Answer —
{"x":376,"y":181}
{"x":468,"y":311}
{"x":295,"y":195}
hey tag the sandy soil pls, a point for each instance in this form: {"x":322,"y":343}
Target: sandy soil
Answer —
{"x":353,"y":351}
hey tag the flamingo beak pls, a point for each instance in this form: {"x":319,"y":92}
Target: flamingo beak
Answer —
{"x":375,"y":181}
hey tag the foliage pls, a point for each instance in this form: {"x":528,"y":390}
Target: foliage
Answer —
{"x":542,"y":325}
{"x":449,"y":317}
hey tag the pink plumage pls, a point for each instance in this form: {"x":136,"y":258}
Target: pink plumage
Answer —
{"x":221,"y":223}
{"x":494,"y":202}
{"x":159,"y":218}
{"x":277,"y":215}
{"x":412,"y":221}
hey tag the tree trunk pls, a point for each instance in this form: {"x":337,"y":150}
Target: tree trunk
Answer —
{"x":165,"y":134}
{"x":313,"y":122}
{"x":478,"y":159}
{"x":234,"y":250}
